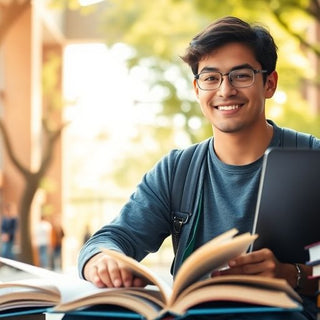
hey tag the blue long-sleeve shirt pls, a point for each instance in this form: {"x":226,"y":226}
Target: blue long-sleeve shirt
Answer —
{"x":229,"y":200}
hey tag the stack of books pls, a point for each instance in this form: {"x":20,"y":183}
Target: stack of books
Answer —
{"x":314,"y":261}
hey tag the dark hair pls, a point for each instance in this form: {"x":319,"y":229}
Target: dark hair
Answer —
{"x":232,"y":29}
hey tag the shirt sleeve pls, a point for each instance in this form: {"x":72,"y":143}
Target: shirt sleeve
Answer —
{"x":144,"y":221}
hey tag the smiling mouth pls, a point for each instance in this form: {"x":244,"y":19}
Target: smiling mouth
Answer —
{"x":227,"y":108}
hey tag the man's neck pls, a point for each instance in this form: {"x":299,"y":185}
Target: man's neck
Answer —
{"x":243,"y":147}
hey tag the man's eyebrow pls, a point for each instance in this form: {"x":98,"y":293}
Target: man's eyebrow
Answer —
{"x":213,"y":69}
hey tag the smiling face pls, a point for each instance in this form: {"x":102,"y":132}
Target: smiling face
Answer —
{"x":229,"y":109}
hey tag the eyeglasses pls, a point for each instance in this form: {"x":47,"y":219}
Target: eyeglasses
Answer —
{"x":239,"y":78}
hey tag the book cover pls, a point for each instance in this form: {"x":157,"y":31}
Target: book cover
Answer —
{"x":24,"y":314}
{"x":313,"y":262}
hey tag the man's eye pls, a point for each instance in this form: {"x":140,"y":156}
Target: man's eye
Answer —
{"x":211,"y":78}
{"x":243,"y":75}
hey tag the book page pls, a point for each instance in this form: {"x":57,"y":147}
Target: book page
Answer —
{"x":120,"y":297}
{"x":142,"y":271}
{"x":42,"y":285}
{"x":67,"y":294}
{"x":28,"y":268}
{"x":259,"y":281}
{"x":66,"y":287}
{"x":211,"y":256}
{"x":70,"y":292}
{"x":28,"y":293}
{"x":235,"y":293}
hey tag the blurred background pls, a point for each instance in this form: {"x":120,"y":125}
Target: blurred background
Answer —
{"x":93,"y":93}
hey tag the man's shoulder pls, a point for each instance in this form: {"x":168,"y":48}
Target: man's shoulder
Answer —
{"x":198,"y":146}
{"x":196,"y":150}
{"x":175,"y":154}
{"x":289,"y":137}
{"x":299,"y":139}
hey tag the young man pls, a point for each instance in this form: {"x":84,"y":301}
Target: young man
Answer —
{"x":234,"y":65}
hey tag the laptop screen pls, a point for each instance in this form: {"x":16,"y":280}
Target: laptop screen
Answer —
{"x":287,"y":215}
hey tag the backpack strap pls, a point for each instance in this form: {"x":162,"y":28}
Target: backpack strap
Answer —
{"x":185,"y":179}
{"x":294,"y":139}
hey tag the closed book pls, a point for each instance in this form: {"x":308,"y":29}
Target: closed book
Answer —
{"x":314,"y":251}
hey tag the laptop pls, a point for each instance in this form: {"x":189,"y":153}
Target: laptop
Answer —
{"x":287,"y":216}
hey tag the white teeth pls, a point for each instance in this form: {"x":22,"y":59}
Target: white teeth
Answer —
{"x":236,"y":106}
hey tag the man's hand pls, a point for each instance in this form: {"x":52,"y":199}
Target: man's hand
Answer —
{"x":261,"y":262}
{"x":104,"y":271}
{"x":264,"y":263}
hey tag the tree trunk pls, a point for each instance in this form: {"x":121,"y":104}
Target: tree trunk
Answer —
{"x":31,"y":186}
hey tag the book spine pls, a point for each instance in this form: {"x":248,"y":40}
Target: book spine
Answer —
{"x":313,"y":262}
{"x":312,"y":245}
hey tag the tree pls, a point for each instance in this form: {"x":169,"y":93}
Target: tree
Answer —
{"x":162,"y":30}
{"x":32,"y":182}
{"x":159,"y":31}
{"x":294,"y":16}
{"x":51,"y":133}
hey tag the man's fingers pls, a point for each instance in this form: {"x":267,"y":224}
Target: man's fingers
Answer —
{"x":252,"y":257}
{"x":261,"y":262}
{"x":138,"y":282}
{"x":94,"y":277}
{"x":126,"y":276}
{"x":109,"y":273}
{"x":104,"y":271}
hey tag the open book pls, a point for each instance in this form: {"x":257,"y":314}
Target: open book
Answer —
{"x":191,"y":288}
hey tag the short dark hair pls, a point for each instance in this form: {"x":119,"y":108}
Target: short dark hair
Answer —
{"x":232,"y":29}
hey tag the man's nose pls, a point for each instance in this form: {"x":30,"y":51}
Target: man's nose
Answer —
{"x":226,"y":88}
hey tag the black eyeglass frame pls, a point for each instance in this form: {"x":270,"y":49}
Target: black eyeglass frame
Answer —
{"x":255,"y":71}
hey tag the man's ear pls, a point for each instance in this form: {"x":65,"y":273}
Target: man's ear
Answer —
{"x":195,"y":87}
{"x":271,"y":84}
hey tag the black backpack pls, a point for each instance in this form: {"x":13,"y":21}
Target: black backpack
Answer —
{"x":189,"y":170}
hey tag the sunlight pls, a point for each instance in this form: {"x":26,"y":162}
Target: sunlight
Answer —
{"x":103,"y":114}
{"x":97,"y":80}
{"x":107,"y":104}
{"x":88,"y":2}
{"x":280,"y":97}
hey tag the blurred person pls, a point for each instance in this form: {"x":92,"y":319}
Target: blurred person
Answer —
{"x":234,"y":68}
{"x":57,"y":235}
{"x":42,"y":237}
{"x":9,"y":225}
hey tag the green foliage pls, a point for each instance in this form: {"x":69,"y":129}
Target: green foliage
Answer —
{"x":159,"y":32}
{"x":50,"y":82}
{"x":295,"y":113}
{"x":153,"y":28}
{"x":162,"y":30}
